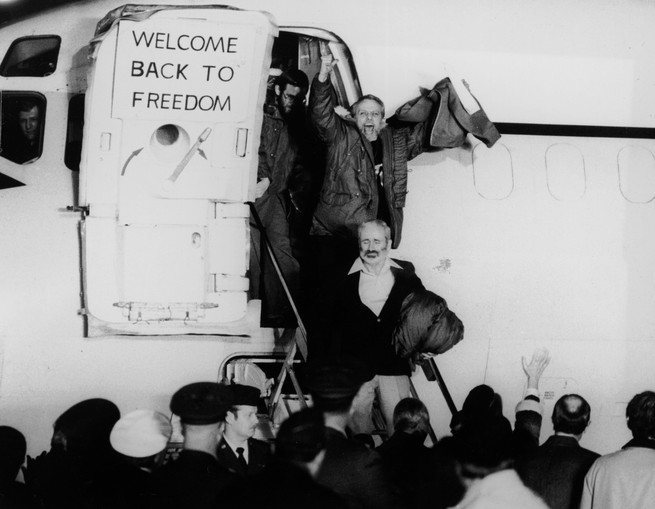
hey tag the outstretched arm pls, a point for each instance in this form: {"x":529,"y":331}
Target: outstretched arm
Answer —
{"x":529,"y":410}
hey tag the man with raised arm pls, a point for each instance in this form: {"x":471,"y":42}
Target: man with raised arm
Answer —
{"x":366,"y":170}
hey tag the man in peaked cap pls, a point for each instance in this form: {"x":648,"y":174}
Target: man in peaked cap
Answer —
{"x":195,"y":478}
{"x":349,"y":468}
{"x":239,"y":452}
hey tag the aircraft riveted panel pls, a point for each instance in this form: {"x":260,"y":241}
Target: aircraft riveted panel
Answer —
{"x":173,"y":120}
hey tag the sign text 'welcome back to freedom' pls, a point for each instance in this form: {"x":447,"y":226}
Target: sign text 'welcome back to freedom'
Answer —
{"x":184,"y":70}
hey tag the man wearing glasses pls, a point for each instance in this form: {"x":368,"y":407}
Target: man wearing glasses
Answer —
{"x":281,"y":155}
{"x":365,"y":174}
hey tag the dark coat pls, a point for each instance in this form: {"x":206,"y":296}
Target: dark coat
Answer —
{"x":356,"y":331}
{"x":356,"y":473}
{"x":349,"y":195}
{"x":280,"y":485}
{"x":405,"y":457}
{"x":259,"y":454}
{"x":556,"y":471}
{"x":192,"y":481}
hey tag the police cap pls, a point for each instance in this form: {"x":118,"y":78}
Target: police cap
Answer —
{"x":202,"y":402}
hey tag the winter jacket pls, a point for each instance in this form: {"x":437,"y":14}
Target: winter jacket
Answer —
{"x":349,"y":195}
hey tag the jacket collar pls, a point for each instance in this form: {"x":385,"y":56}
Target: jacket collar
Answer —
{"x":640,"y":442}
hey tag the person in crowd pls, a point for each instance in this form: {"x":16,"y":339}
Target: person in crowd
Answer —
{"x":556,"y":470}
{"x":484,"y":461}
{"x":349,"y":468}
{"x":141,"y":438}
{"x":13,"y":494}
{"x":404,"y":453}
{"x":625,"y":479}
{"x":357,"y":314}
{"x":483,"y":409}
{"x":366,"y":170}
{"x":288,"y":482}
{"x":282,"y":150}
{"x":239,"y":452}
{"x":195,"y":478}
{"x":71,"y":473}
{"x":25,"y":147}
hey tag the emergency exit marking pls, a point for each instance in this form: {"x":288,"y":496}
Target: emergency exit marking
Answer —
{"x":195,"y":68}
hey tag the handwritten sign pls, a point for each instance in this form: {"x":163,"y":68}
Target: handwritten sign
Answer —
{"x":187,"y":69}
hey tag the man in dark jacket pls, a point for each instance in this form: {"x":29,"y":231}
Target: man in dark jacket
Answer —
{"x":281,"y":149}
{"x":239,"y":452}
{"x":357,"y":314}
{"x":556,"y":470}
{"x":349,"y":468}
{"x":195,"y":478}
{"x":366,"y":168}
{"x":288,"y":482}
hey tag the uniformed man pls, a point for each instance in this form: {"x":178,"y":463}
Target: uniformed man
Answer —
{"x":239,"y":452}
{"x":195,"y":478}
{"x":288,"y":482}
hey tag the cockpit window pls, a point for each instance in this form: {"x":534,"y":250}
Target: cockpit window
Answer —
{"x":23,"y":118}
{"x":31,"y":56}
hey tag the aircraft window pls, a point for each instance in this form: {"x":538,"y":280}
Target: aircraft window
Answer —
{"x":74,"y":132}
{"x":23,"y":118}
{"x":31,"y":56}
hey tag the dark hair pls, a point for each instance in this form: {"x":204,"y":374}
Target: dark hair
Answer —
{"x":411,"y":416}
{"x":641,"y":415}
{"x":26,"y":104}
{"x":293,"y":77}
{"x":367,"y":97}
{"x":571,"y":414}
{"x":12,"y":453}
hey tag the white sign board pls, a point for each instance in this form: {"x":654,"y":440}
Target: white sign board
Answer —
{"x":190,"y":70}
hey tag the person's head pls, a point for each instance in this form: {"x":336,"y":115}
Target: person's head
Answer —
{"x":482,"y":408}
{"x":334,"y":383}
{"x":302,"y":440}
{"x":571,"y":414}
{"x":29,"y":118}
{"x":374,"y":239}
{"x":641,"y":415}
{"x":241,"y":419}
{"x":202,"y":407}
{"x":84,"y":428}
{"x":411,"y":416}
{"x":368,"y":113}
{"x":290,"y":90}
{"x":12,"y":453}
{"x":142,"y":436}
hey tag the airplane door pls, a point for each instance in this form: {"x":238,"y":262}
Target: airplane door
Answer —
{"x":172,"y":125}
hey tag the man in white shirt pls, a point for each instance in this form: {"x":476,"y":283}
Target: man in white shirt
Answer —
{"x":360,"y":317}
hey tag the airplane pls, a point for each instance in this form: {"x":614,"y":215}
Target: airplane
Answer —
{"x":543,"y":240}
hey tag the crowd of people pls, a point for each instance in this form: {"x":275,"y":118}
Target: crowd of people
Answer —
{"x":100,"y":459}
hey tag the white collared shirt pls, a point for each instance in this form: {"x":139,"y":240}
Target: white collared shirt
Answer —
{"x":374,"y":289}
